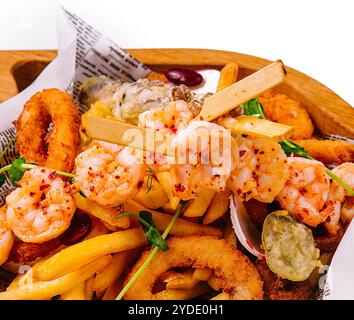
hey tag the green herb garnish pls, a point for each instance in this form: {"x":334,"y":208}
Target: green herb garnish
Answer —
{"x":150,"y":231}
{"x":255,"y":108}
{"x":18,"y":167}
{"x":152,"y":254}
{"x":291,"y":148}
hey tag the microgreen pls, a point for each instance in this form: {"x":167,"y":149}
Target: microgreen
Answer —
{"x":152,"y":254}
{"x":152,"y":235}
{"x":17,"y":169}
{"x":254,"y":108}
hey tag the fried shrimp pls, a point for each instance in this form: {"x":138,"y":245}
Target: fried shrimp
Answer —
{"x":328,"y":151}
{"x":306,"y":191}
{"x":6,"y":237}
{"x":339,"y":204}
{"x":56,"y":150}
{"x":203,"y":159}
{"x":235,"y":274}
{"x":41,"y":207}
{"x":261,"y":171}
{"x":280,"y":108}
{"x":109,"y":174}
{"x":174,"y":116}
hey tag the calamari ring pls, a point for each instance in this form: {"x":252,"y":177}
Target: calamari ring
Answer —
{"x":235,"y":273}
{"x":56,"y":150}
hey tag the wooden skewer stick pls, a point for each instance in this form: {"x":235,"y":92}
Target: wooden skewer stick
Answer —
{"x":242,"y":91}
{"x":126,"y":134}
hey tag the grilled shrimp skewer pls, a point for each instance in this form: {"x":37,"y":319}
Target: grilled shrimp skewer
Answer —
{"x":109,"y":174}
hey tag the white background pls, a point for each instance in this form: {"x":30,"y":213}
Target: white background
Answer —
{"x":313,"y":36}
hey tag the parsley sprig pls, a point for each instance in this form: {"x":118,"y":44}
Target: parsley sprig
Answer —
{"x":255,"y":108}
{"x":17,"y":169}
{"x":152,"y":254}
{"x":150,"y":231}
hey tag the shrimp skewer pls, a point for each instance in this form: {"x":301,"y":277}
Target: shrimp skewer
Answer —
{"x":41,"y":207}
{"x":6,"y":236}
{"x":261,"y":171}
{"x":306,"y":191}
{"x":109,"y":174}
{"x":203,"y":159}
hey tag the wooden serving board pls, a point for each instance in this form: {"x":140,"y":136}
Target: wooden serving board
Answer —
{"x":331,"y":114}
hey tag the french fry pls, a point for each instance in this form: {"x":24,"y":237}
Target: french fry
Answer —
{"x":75,"y":293}
{"x":218,"y":206}
{"x":199,"y":205}
{"x":108,"y":215}
{"x":228,"y":76}
{"x":78,"y":255}
{"x":202,"y":274}
{"x":169,"y":275}
{"x":112,"y":272}
{"x":221,"y":296}
{"x":42,"y":290}
{"x":213,"y":283}
{"x":180,"y":228}
{"x":185,"y":282}
{"x":196,"y":291}
{"x":151,"y":195}
{"x":166,"y":183}
{"x":88,"y":291}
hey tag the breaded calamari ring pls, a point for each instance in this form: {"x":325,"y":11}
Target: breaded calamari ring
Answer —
{"x":56,"y":150}
{"x":235,"y":273}
{"x":280,"y":108}
{"x":328,"y":151}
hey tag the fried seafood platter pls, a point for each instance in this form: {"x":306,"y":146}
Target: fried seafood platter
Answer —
{"x":93,"y":217}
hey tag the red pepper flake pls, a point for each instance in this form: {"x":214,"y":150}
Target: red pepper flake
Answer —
{"x":261,"y":152}
{"x":43,"y":170}
{"x":92,"y":188}
{"x":52,"y":175}
{"x":242,"y":153}
{"x":32,"y":193}
{"x":44,"y":186}
{"x":256,"y":151}
{"x":179,"y":187}
{"x":140,"y":184}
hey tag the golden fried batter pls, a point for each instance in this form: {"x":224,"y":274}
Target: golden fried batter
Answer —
{"x":328,"y":151}
{"x":235,"y":273}
{"x":276,"y":288}
{"x":280,"y":108}
{"x":56,"y":150}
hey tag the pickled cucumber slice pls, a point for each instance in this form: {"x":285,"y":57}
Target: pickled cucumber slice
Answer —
{"x":289,"y":247}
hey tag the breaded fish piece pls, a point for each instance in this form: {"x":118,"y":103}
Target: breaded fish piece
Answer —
{"x":280,"y":108}
{"x":235,"y":273}
{"x":328,"y":151}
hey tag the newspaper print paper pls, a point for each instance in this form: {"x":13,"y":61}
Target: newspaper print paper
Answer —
{"x":83,"y":52}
